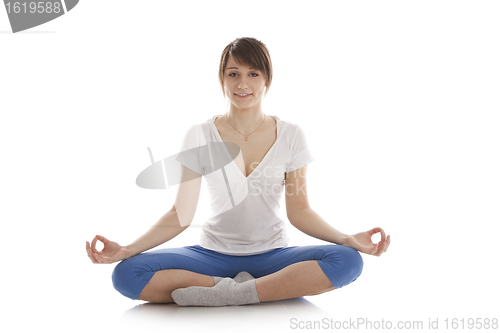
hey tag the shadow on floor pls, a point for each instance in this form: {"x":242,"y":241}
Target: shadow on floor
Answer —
{"x":279,"y":315}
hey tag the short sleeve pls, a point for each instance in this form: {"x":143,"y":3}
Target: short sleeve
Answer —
{"x":300,"y":154}
{"x":190,"y":149}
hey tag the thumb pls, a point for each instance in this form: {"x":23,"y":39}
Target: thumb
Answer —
{"x":362,"y":247}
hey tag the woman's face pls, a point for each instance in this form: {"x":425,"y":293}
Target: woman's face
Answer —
{"x":241,"y":79}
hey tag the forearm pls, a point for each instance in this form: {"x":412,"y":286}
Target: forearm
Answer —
{"x":310,"y":223}
{"x":165,"y":229}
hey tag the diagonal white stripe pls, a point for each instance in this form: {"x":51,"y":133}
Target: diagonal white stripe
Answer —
{"x":64,"y":6}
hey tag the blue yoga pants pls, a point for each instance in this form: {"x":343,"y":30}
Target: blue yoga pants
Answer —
{"x":341,"y":264}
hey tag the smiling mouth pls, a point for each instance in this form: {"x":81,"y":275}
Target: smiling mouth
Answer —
{"x":243,"y":94}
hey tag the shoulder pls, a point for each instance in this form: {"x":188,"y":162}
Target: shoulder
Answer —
{"x":292,"y":130}
{"x":192,"y":136}
{"x":193,"y":130}
{"x":197,"y":127}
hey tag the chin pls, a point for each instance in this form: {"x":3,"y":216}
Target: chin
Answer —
{"x":243,"y":107}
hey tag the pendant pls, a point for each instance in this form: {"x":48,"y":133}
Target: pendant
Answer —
{"x":246,"y":139}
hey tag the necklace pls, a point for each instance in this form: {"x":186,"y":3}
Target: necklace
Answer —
{"x":246,"y":136}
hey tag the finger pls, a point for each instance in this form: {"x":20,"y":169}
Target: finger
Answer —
{"x":384,"y":247}
{"x":379,"y":251}
{"x":388,"y":243}
{"x":373,"y":231}
{"x":87,"y":248}
{"x":380,"y":245}
{"x":94,"y":241}
{"x":382,"y":237}
{"x":97,"y":258}
{"x":380,"y":248}
{"x":105,"y":259}
{"x":103,"y":239}
{"x":90,"y":253}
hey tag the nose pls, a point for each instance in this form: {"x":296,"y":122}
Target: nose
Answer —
{"x":242,"y":84}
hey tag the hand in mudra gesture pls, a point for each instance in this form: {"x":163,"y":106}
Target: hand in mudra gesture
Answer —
{"x":363,"y":242}
{"x":111,"y":252}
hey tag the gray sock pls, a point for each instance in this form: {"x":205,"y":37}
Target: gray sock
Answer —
{"x":217,"y":279}
{"x":243,"y":276}
{"x":225,"y":292}
{"x":240,"y":277}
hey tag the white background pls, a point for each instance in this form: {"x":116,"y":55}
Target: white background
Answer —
{"x":399,"y":101}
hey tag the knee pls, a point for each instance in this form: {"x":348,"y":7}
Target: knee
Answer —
{"x":348,"y":265}
{"x":353,"y":261}
{"x":124,"y":278}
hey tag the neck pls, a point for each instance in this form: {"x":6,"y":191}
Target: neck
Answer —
{"x":246,"y":120}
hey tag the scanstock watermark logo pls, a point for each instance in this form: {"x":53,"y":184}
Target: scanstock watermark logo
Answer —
{"x":24,"y":15}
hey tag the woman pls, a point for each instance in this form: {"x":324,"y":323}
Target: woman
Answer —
{"x":243,"y":256}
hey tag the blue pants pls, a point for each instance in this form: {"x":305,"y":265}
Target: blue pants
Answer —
{"x":341,"y":264}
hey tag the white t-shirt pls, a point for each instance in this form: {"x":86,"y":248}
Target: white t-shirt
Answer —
{"x":244,"y":211}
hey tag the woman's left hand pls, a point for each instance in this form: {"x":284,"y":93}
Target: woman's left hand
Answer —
{"x":363,"y":242}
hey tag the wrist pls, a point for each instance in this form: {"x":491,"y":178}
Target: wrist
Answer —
{"x":344,"y":240}
{"x":130,"y":250}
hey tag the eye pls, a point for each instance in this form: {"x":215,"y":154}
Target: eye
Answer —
{"x":231,"y":74}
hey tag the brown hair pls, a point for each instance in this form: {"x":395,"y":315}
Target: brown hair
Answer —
{"x":247,"y":51}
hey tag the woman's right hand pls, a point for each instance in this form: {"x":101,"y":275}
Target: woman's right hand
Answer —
{"x":111,"y":252}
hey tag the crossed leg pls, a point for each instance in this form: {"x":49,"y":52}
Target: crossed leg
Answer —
{"x":304,"y":278}
{"x":282,"y":273}
{"x":161,"y":285}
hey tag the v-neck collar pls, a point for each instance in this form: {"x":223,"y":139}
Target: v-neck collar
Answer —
{"x":217,"y":134}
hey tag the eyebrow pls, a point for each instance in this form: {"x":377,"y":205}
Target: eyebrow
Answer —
{"x":236,"y":68}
